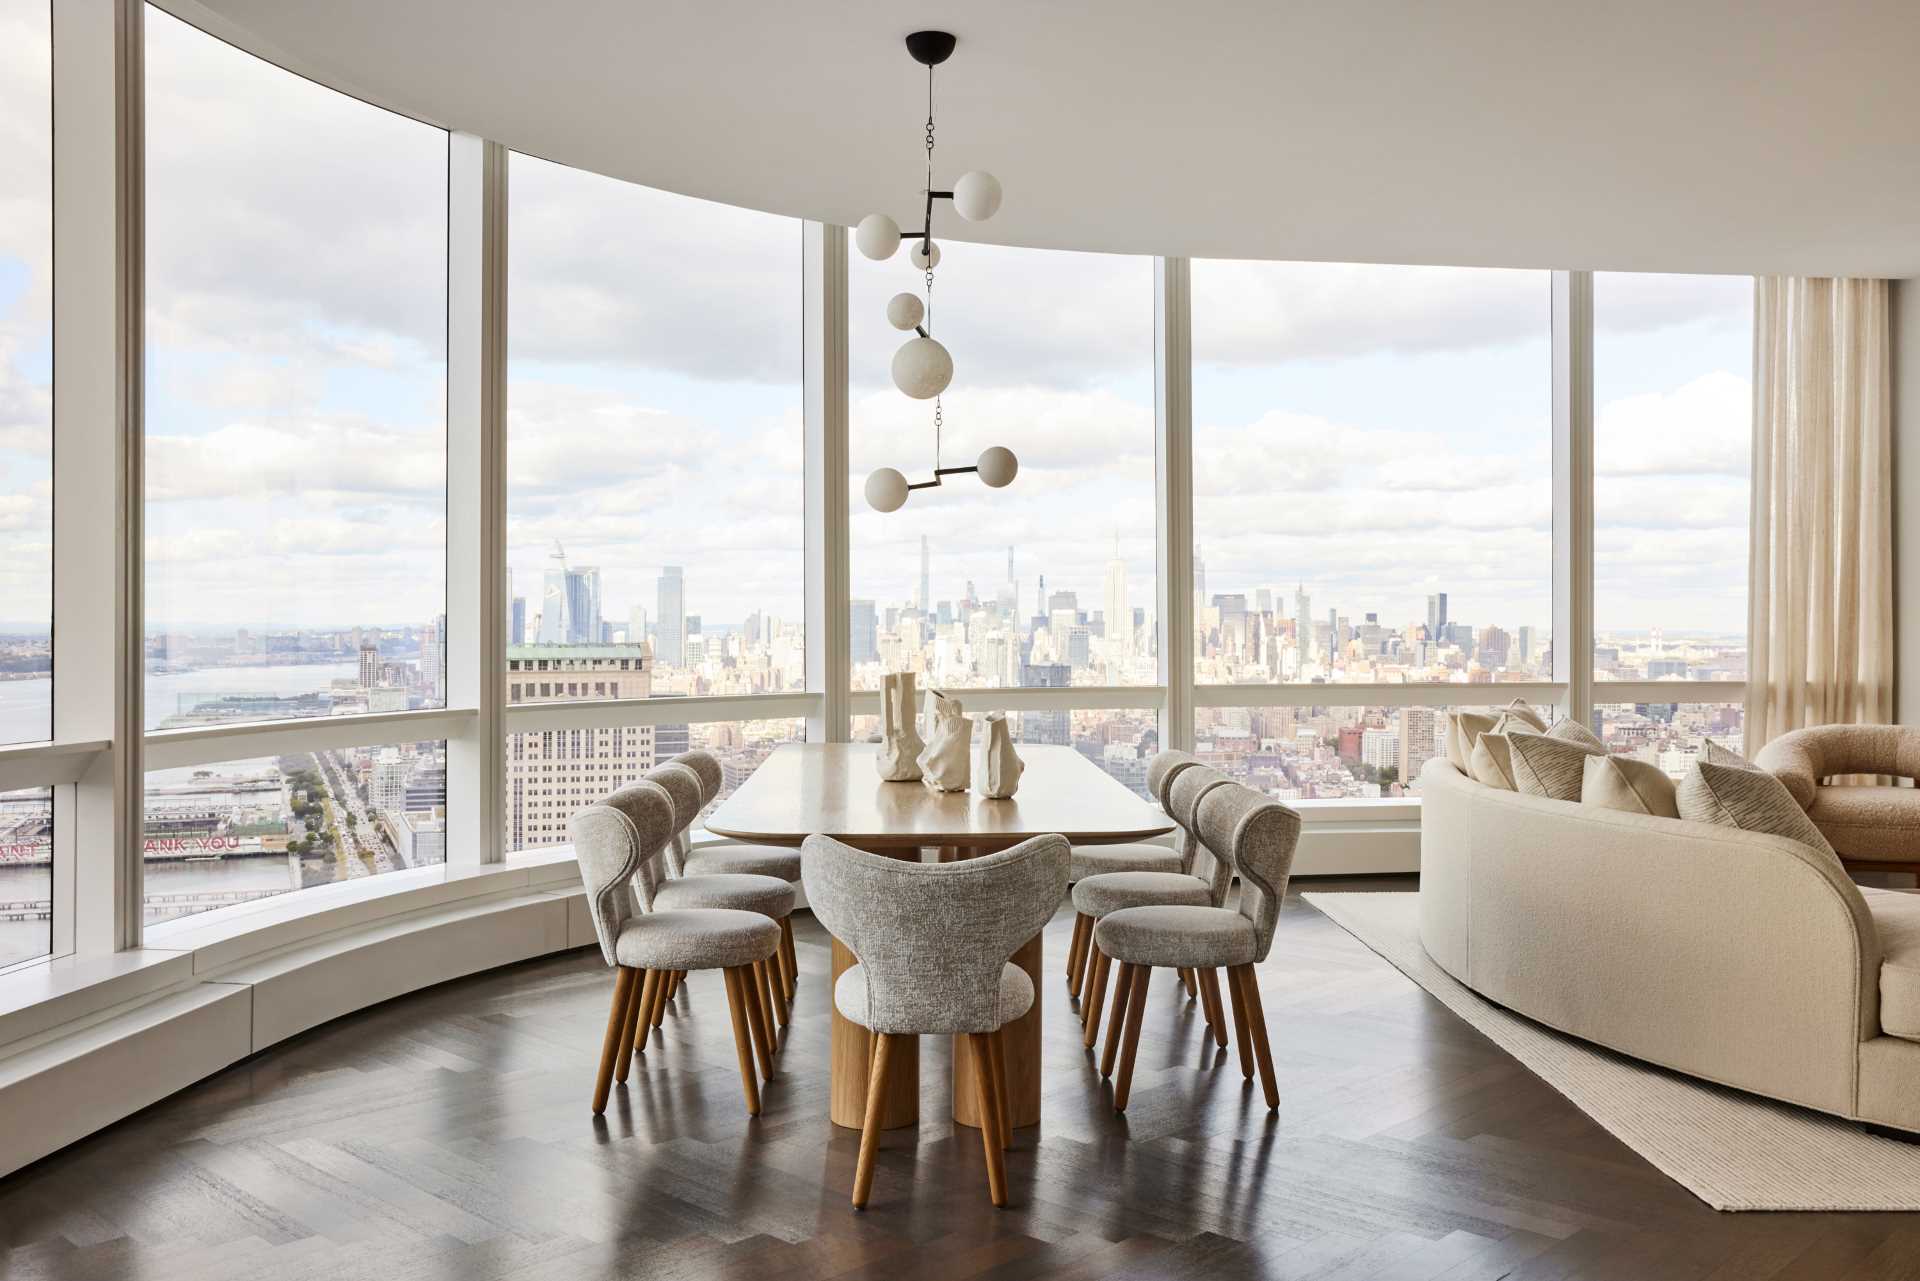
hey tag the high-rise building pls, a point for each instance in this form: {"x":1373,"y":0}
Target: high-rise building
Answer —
{"x":1303,"y":620}
{"x":517,"y":621}
{"x":1524,"y":639}
{"x":1046,"y":727}
{"x":555,"y":624}
{"x":864,"y":641}
{"x":670,"y":618}
{"x":1263,"y":600}
{"x":433,"y":657}
{"x":583,"y":606}
{"x":1436,"y":616}
{"x":369,"y":664}
{"x":1119,"y":613}
{"x":552,"y":774}
{"x":1420,"y":729}
{"x":1199,"y":577}
{"x":1380,"y":748}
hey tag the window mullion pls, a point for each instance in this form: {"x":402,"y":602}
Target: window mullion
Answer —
{"x":1573,"y":489}
{"x":1173,"y":495}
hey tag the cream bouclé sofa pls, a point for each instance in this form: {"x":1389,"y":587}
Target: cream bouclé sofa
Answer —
{"x":1746,"y":959}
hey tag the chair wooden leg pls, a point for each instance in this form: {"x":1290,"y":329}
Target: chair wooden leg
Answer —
{"x":984,"y":1087}
{"x":1242,"y":1033}
{"x":674,"y":980}
{"x":624,"y":1058}
{"x":1117,"y":1017}
{"x":1186,"y":981}
{"x":771,"y":1006}
{"x":870,"y":1129}
{"x":737,"y":999}
{"x":792,"y":955}
{"x":1210,"y":998}
{"x":776,"y":988}
{"x":1136,"y":1014}
{"x":616,"y":1027}
{"x":658,"y":1012}
{"x":645,"y":995}
{"x":997,"y":1052}
{"x":1090,"y":1014}
{"x":784,"y":954}
{"x":1257,"y":1017}
{"x":756,"y":1019}
{"x":1077,"y":950}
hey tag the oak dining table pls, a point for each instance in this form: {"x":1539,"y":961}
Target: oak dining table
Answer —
{"x":835,"y":789}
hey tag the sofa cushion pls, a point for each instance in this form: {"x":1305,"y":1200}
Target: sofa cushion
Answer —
{"x":1544,"y":765}
{"x":1749,"y":799}
{"x":1869,"y":822}
{"x":1462,"y":729}
{"x":1569,"y":730}
{"x":1714,"y":754}
{"x":1623,"y":783}
{"x":1523,"y":711}
{"x":1493,"y":761}
{"x":1896,"y":919}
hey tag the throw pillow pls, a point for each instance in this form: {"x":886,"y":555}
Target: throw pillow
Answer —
{"x":1749,"y":799}
{"x":1572,"y":731}
{"x":1714,"y":754}
{"x":1522,"y":711}
{"x":1623,"y":783}
{"x":1493,"y":761}
{"x":1547,"y":766}
{"x":1462,"y":729}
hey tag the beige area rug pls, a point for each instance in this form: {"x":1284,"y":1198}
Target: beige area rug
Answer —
{"x":1732,"y":1150}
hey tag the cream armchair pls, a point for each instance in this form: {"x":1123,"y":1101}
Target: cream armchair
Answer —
{"x":1871,"y":827}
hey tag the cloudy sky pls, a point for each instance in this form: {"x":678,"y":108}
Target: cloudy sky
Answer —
{"x":1374,"y":433}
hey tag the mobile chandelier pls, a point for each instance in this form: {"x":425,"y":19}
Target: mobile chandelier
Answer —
{"x":922,"y":368}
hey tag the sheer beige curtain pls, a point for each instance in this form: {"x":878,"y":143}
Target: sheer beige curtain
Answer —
{"x":1820,"y":608}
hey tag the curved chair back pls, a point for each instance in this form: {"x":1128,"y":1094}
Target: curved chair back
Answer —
{"x":706,"y":767}
{"x":1258,"y":836}
{"x":618,"y":844}
{"x":683,"y":788}
{"x":1189,"y":787}
{"x":1161,"y":771}
{"x":1802,"y":758}
{"x":934,"y":937}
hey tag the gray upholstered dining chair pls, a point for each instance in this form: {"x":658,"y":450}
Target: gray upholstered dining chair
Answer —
{"x":934,"y":942}
{"x":1097,"y":860}
{"x":732,"y":858}
{"x":619,"y":843}
{"x":1203,"y":883}
{"x":1257,"y":838}
{"x":768,"y":895}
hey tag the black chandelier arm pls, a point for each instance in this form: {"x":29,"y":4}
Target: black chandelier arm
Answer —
{"x":938,"y":472}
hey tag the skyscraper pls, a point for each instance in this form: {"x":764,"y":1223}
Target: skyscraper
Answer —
{"x":554,"y":624}
{"x":1119,"y":613}
{"x":1419,"y":740}
{"x":1437,"y":617}
{"x":517,"y":621}
{"x":926,"y":590}
{"x":864,"y":641}
{"x":369,"y":664}
{"x":670,"y":618}
{"x":433,"y":655}
{"x":1303,"y":620}
{"x":583,"y":606}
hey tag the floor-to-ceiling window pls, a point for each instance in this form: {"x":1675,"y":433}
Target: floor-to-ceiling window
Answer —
{"x":1372,"y":506}
{"x":1672,"y":446}
{"x":296,"y":251}
{"x":654,"y":472}
{"x":26,"y":454}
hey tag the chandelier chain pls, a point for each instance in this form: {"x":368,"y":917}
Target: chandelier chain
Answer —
{"x":926,"y":246}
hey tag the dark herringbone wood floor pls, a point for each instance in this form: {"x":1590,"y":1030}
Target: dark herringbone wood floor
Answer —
{"x":447,"y":1134}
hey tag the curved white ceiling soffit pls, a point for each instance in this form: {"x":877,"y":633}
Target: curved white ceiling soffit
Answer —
{"x":1764,"y":136}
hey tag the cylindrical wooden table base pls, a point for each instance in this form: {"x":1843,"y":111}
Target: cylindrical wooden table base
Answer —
{"x":853,"y":1053}
{"x":1021,"y":1039}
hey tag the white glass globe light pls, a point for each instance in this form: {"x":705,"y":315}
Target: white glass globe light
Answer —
{"x":922,"y":368}
{"x":877,"y":236}
{"x":886,"y":490}
{"x":922,"y":259}
{"x":976,"y":197}
{"x":904,"y":310}
{"x":998,"y":466}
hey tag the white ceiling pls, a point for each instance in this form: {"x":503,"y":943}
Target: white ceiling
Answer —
{"x":1663,"y":135}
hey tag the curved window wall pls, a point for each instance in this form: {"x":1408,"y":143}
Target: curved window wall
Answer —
{"x":343,"y":484}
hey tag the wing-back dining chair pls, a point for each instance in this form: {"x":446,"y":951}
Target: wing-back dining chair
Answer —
{"x":768,"y":895}
{"x":934,"y":942}
{"x":752,"y":860}
{"x":620,"y":843}
{"x":1256,"y":837}
{"x":1094,"y":860}
{"x":1203,"y":883}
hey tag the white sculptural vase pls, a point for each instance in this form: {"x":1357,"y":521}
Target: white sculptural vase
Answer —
{"x":899,"y":755}
{"x":947,"y":763}
{"x":1000,"y":766}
